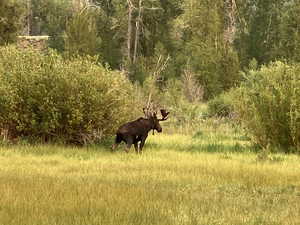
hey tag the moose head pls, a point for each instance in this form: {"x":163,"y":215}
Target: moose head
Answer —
{"x":136,"y":132}
{"x":152,"y":116}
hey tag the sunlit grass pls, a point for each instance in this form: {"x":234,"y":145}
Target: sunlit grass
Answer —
{"x":178,"y":180}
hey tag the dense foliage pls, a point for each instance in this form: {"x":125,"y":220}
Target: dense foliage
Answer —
{"x":81,"y":35}
{"x":268,"y":104}
{"x":49,"y":17}
{"x":268,"y":30}
{"x":45,"y":97}
{"x":180,"y":52}
{"x":194,"y":33}
{"x":221,"y":106}
{"x":10,"y":20}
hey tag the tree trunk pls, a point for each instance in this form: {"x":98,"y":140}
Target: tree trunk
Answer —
{"x":29,"y":18}
{"x":129,"y":32}
{"x":137,"y":31}
{"x":230,"y":14}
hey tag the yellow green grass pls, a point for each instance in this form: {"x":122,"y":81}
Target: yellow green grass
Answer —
{"x":179,"y":179}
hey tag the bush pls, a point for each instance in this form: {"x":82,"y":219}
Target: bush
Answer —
{"x":268,"y":104}
{"x":184,"y":113}
{"x":221,"y":106}
{"x":46,"y":97}
{"x":216,"y":69}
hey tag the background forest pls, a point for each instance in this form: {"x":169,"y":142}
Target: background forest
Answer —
{"x":239,"y":56}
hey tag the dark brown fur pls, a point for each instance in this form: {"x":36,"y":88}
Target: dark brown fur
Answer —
{"x":136,"y":132}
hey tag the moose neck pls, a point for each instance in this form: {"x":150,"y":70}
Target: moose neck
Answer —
{"x":150,"y":124}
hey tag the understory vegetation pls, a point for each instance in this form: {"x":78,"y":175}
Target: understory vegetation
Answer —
{"x":48,"y":98}
{"x":268,"y":105}
{"x":212,"y":176}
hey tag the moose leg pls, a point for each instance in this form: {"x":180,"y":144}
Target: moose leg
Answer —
{"x":114,"y":146}
{"x":117,"y":142}
{"x":129,"y":142}
{"x":136,"y":144}
{"x":136,"y":147}
{"x":143,"y":142}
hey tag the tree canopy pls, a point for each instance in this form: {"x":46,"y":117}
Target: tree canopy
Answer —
{"x":214,"y":39}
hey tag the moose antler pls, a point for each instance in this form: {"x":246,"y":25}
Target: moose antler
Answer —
{"x":164,"y":114}
{"x":148,"y":112}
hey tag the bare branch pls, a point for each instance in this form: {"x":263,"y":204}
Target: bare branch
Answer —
{"x":153,"y":8}
{"x":160,"y":66}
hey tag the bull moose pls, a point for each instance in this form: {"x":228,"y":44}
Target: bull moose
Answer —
{"x":136,"y":132}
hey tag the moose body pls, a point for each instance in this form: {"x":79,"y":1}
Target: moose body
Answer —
{"x":136,"y":132}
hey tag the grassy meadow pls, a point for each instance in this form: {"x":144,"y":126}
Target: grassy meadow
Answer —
{"x":212,"y":176}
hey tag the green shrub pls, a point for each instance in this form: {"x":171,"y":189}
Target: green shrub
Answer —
{"x":268,"y":104}
{"x":46,"y":97}
{"x":216,"y":69}
{"x":220,"y":106}
{"x":184,"y":113}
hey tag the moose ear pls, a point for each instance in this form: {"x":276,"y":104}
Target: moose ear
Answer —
{"x":164,"y":113}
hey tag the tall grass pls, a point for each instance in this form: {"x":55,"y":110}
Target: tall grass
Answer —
{"x":178,"y":180}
